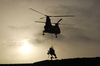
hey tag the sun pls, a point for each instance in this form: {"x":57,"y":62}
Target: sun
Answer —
{"x":26,"y":48}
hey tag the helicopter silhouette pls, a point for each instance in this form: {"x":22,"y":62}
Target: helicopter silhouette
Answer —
{"x":49,"y":28}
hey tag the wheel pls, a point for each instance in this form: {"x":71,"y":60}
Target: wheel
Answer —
{"x":43,"y":34}
{"x":56,"y":36}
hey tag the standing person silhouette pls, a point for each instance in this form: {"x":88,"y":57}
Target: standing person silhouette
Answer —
{"x":52,"y":52}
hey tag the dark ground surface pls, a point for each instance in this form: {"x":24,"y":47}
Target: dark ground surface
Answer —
{"x":63,"y":62}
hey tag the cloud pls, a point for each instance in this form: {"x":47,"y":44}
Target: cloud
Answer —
{"x":19,"y":27}
{"x":87,"y":22}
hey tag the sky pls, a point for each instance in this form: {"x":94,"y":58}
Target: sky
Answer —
{"x":21,"y":39}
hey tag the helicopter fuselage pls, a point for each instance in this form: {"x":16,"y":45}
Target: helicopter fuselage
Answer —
{"x":52,"y":29}
{"x":49,"y":28}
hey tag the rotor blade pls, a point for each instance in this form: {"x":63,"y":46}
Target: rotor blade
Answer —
{"x":64,"y":16}
{"x":59,"y":20}
{"x":64,"y":24}
{"x":37,"y":11}
{"x":39,"y":21}
{"x":42,"y":17}
{"x":43,"y":22}
{"x":55,"y":23}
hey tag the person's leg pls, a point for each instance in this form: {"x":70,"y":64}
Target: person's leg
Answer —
{"x":51,"y":57}
{"x":55,"y":55}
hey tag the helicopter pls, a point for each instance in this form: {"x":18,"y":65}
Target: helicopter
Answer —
{"x":49,"y":28}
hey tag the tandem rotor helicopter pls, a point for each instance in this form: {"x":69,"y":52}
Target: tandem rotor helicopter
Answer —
{"x":49,"y":28}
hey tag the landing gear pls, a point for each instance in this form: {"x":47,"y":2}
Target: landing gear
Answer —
{"x":56,"y":35}
{"x":43,"y":34}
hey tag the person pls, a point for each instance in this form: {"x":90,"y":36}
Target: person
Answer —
{"x":52,"y":52}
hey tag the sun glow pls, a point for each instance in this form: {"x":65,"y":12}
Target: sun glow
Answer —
{"x":26,"y":48}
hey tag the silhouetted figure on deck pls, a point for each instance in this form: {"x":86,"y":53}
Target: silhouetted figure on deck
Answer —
{"x":52,"y":52}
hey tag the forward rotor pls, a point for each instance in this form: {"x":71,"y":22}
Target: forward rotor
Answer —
{"x":51,"y":16}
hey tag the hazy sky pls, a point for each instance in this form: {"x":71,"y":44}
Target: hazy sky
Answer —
{"x":21,"y":39}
